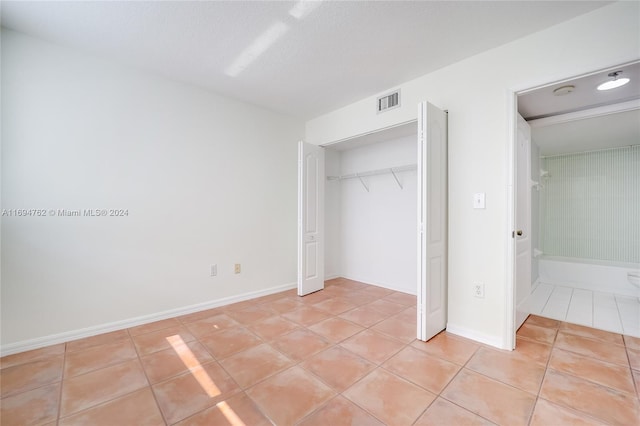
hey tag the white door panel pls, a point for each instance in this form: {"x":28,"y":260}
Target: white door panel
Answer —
{"x":523,"y":221}
{"x":432,"y":221}
{"x":310,"y":218}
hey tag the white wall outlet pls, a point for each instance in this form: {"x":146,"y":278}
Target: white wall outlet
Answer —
{"x":214,"y":270}
{"x":478,"y":290}
{"x":236,"y":268}
{"x":478,"y":200}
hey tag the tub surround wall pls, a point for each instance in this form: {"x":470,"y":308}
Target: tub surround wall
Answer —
{"x":591,"y":205}
{"x":610,"y":277}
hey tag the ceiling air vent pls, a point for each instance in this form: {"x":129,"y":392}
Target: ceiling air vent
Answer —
{"x":389,"y":101}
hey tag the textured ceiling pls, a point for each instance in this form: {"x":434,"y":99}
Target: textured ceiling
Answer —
{"x":300,"y":58}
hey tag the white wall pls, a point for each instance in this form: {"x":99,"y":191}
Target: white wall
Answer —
{"x":205,"y":180}
{"x":477,"y":93}
{"x":377,"y":229}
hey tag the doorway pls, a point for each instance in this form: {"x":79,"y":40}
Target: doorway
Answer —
{"x":580,"y":258}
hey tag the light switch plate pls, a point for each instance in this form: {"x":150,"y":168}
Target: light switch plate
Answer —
{"x":478,"y":200}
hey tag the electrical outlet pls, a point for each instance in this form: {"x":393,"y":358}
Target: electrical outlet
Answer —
{"x":236,"y":269}
{"x":214,"y":270}
{"x":478,"y":290}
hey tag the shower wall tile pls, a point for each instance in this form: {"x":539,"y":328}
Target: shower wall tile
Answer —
{"x":591,"y":205}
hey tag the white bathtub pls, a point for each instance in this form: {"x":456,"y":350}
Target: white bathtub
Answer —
{"x":610,"y":277}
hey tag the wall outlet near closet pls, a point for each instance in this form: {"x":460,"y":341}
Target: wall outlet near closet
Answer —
{"x":236,"y":268}
{"x":214,"y":270}
{"x":478,"y":290}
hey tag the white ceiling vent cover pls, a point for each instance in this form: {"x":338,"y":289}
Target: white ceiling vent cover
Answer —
{"x":389,"y":101}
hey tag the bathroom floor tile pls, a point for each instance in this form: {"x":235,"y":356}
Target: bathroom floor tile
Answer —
{"x":403,"y":401}
{"x":290,"y":395}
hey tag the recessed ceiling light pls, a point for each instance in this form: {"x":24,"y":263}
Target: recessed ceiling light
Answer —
{"x":616,"y":82}
{"x":564,"y":90}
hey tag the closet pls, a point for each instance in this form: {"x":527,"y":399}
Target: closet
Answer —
{"x":370,"y":209}
{"x":373,"y":208}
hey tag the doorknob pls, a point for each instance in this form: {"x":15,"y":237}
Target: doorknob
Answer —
{"x":519,"y":232}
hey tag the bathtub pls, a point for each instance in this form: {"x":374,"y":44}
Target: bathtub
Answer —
{"x":610,"y":277}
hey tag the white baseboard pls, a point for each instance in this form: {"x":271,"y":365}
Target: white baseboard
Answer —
{"x":383,"y":285}
{"x":67,"y":336}
{"x":478,"y":337}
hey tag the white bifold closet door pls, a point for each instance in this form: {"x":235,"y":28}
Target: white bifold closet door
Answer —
{"x":432,"y":221}
{"x":311,"y":176}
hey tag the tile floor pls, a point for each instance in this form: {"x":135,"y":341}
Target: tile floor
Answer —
{"x":343,"y":356}
{"x":604,"y":311}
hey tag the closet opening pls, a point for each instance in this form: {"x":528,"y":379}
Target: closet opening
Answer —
{"x":372,"y":209}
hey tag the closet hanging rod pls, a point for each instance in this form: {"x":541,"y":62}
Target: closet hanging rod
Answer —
{"x":390,"y":170}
